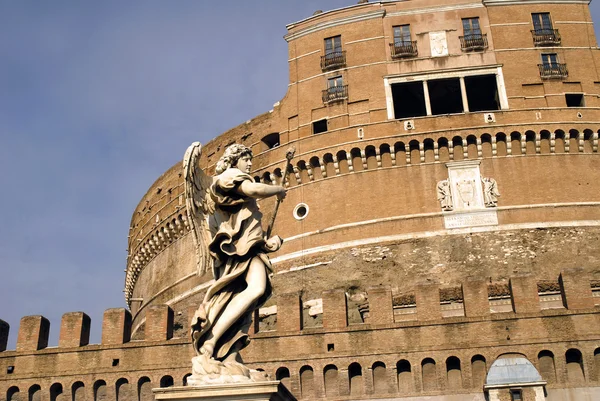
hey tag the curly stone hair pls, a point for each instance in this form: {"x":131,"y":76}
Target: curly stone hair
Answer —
{"x":231,"y":156}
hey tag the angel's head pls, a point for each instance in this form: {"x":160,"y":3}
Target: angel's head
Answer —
{"x":232,"y":155}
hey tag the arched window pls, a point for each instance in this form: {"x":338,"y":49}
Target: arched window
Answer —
{"x":330,"y":377}
{"x":478,"y":370}
{"x":415,"y":154}
{"x":530,"y":143}
{"x":597,"y":360}
{"x":457,"y":149}
{"x":13,"y":394}
{"x":386,"y":155}
{"x":266,"y":178}
{"x":329,"y":164}
{"x":124,"y":391}
{"x":573,"y":141}
{"x":575,"y":372}
{"x":355,"y":379}
{"x":428,"y":373}
{"x":544,"y":142}
{"x":453,"y":373}
{"x":185,"y":379}
{"x":35,"y":393}
{"x":307,"y":381}
{"x":315,"y":165}
{"x":270,"y":141}
{"x":303,"y":172}
{"x":472,"y":147}
{"x":587,"y":141}
{"x":559,"y":141}
{"x":515,"y":141}
{"x":99,"y":390}
{"x":380,"y":381}
{"x":55,"y":390}
{"x":405,"y":380}
{"x":278,"y":176}
{"x":145,"y":389}
{"x":283,"y":375}
{"x":400,"y":151}
{"x":371,"y":156}
{"x":546,"y":365}
{"x":443,"y":150}
{"x":486,"y":145}
{"x":501,"y":148}
{"x":428,"y":149}
{"x":166,"y":381}
{"x":343,"y":161}
{"x":357,"y":162}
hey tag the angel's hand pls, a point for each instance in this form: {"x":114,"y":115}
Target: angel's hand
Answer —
{"x":282,"y":193}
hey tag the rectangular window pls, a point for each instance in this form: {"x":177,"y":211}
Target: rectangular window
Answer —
{"x":575,"y":100}
{"x":471,"y":27}
{"x":402,"y":35}
{"x":333,"y":45}
{"x":335,"y":82}
{"x":319,"y":126}
{"x":541,"y":22}
{"x":550,"y":60}
{"x":409,"y":100}
{"x":516,"y":395}
{"x":445,"y":96}
{"x":482,"y":93}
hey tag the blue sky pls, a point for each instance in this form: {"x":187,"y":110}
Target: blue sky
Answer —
{"x":97,"y":99}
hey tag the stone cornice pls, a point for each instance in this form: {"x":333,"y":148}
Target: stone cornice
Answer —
{"x":489,"y":3}
{"x":336,"y":22}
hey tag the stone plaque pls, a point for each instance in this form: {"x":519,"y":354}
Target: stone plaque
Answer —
{"x":471,"y":219}
{"x":438,"y":44}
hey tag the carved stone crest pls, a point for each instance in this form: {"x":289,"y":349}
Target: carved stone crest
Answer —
{"x":438,"y":44}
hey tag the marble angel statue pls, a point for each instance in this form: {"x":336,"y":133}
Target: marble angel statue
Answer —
{"x":226,"y":225}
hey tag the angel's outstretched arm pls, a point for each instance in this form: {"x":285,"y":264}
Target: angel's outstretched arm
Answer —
{"x":259,"y":191}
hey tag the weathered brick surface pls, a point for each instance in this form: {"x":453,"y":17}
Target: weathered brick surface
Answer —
{"x":576,"y":290}
{"x":380,"y":305}
{"x":475,"y":293}
{"x":4,"y":329}
{"x":159,"y":323}
{"x":428,"y":302}
{"x":334,"y":309}
{"x":33,"y":333}
{"x":289,"y":312}
{"x":524,"y":294}
{"x":116,"y":326}
{"x":74,"y":330}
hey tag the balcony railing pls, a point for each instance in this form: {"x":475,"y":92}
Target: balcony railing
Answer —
{"x":404,"y":49}
{"x":333,"y":60}
{"x":545,"y":37}
{"x":553,"y":71}
{"x":335,"y":94}
{"x":473,"y":42}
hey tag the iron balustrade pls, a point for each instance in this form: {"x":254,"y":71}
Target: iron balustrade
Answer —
{"x":545,"y":37}
{"x":404,"y":49}
{"x":553,"y":70}
{"x":473,"y":42}
{"x":335,"y":93}
{"x":333,"y":60}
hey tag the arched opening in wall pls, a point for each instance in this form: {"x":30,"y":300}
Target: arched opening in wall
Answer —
{"x":13,"y":394}
{"x":100,"y":391}
{"x":386,"y":155}
{"x":78,"y":392}
{"x":545,"y":142}
{"x":330,"y":377}
{"x":124,"y":391}
{"x":283,"y":375}
{"x":307,"y":382}
{"x":166,"y":381}
{"x":559,"y":141}
{"x":405,"y":380}
{"x":291,"y":176}
{"x":478,"y":371}
{"x":303,"y":172}
{"x":256,"y":178}
{"x":355,"y":379}
{"x":429,"y":152}
{"x":501,"y":148}
{"x":530,"y":143}
{"x":357,"y":163}
{"x":472,"y":147}
{"x":457,"y":148}
{"x":443,"y":151}
{"x":546,"y":365}
{"x":35,"y":393}
{"x":453,"y":373}
{"x":587,"y":141}
{"x":575,"y":374}
{"x":315,"y":166}
{"x":145,"y":389}
{"x":55,"y":391}
{"x":428,"y":374}
{"x":343,"y":161}
{"x":184,"y":381}
{"x":486,"y":145}
{"x":329,"y":165}
{"x":573,"y":141}
{"x":400,"y":152}
{"x":515,"y":143}
{"x":597,"y":361}
{"x":371,"y":157}
{"x":380,"y":381}
{"x":415,"y":154}
{"x":270,"y":141}
{"x":266,"y":178}
{"x":278,"y":176}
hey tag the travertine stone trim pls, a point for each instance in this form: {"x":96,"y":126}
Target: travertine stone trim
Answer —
{"x":258,"y":391}
{"x":74,"y":330}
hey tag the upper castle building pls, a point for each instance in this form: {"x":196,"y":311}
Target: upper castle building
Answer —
{"x":442,"y":224}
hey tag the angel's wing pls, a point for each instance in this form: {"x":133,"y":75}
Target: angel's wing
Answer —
{"x":199,"y":205}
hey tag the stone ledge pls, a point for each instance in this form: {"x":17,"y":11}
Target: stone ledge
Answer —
{"x":258,"y":391}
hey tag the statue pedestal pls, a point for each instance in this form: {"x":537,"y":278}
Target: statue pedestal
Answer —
{"x":255,"y":391}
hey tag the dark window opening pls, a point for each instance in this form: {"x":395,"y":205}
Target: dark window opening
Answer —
{"x":445,"y":96}
{"x":10,"y":369}
{"x":575,"y":100}
{"x":409,"y":100}
{"x":482,"y":93}
{"x":516,"y":395}
{"x":330,"y":347}
{"x":271,"y":141}
{"x":320,"y":126}
{"x":115,"y":362}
